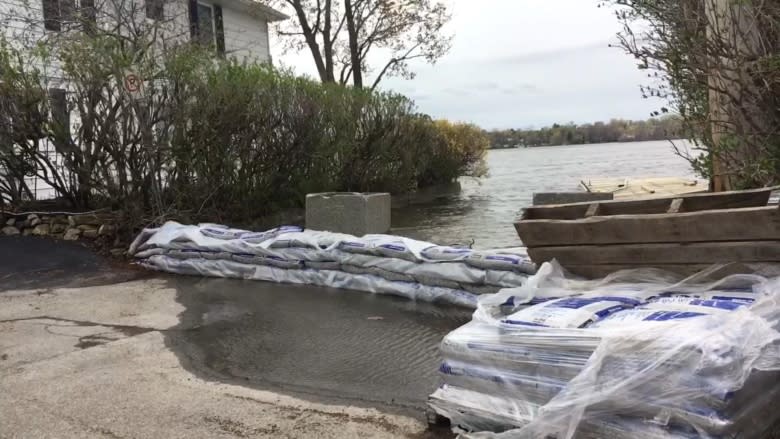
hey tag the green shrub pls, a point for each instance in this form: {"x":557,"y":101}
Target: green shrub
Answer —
{"x":215,"y":140}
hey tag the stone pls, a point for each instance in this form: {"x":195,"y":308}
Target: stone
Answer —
{"x":60,"y":219}
{"x":41,"y":230}
{"x":34,"y":221}
{"x":547,"y":198}
{"x":10,"y":221}
{"x":27,"y":232}
{"x":72,"y":234}
{"x":88,"y":219}
{"x":10,"y":230}
{"x":117,"y":252}
{"x":106,"y":229}
{"x":91,"y":233}
{"x":348,"y":212}
{"x":32,"y":216}
{"x":57,"y":228}
{"x":86,"y":227}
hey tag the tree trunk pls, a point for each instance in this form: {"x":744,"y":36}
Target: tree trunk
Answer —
{"x":354,"y":51}
{"x":311,"y":41}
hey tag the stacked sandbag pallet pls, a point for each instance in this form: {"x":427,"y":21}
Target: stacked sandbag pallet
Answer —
{"x":374,"y":263}
{"x":617,"y":360}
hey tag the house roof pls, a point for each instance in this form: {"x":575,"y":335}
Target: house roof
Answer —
{"x":255,"y":7}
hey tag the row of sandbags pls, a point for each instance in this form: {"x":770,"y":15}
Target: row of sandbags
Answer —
{"x":616,"y":358}
{"x":374,"y":263}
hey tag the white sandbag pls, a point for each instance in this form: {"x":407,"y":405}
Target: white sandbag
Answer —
{"x":695,"y":304}
{"x":632,"y":316}
{"x":572,"y":312}
{"x":445,"y":253}
{"x":258,"y":237}
{"x":222,"y":233}
{"x":501,"y":261}
{"x":325,"y":278}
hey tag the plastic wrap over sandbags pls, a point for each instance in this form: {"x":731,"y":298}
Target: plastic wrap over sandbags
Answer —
{"x":374,"y":263}
{"x":653,"y":358}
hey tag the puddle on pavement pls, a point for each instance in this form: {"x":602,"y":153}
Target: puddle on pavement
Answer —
{"x":316,"y":343}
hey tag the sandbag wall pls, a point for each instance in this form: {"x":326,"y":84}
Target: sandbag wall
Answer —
{"x":374,"y":263}
{"x":617,"y":360}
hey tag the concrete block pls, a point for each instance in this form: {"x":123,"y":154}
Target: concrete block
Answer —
{"x":546,"y":198}
{"x":348,"y":212}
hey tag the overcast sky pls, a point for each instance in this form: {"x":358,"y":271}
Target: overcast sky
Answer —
{"x":523,"y":63}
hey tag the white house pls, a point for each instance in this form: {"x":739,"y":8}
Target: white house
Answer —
{"x":236,"y":28}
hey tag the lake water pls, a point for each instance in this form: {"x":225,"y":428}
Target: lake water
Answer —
{"x":486,"y":208}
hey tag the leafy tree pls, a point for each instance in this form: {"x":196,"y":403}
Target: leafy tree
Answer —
{"x":717,"y":63}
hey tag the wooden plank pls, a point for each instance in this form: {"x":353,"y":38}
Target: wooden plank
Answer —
{"x":667,"y":253}
{"x":693,"y":203}
{"x":600,"y":271}
{"x":593,"y":210}
{"x":751,"y":224}
{"x":675,"y":206}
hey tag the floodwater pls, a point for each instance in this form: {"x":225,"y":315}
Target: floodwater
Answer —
{"x":374,"y":350}
{"x":483,"y":212}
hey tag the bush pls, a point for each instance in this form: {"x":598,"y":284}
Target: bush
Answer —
{"x":211,"y":140}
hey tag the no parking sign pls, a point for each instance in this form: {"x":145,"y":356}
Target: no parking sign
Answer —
{"x":133,"y":84}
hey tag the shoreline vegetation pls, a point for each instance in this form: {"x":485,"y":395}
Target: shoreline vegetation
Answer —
{"x":616,"y":130}
{"x":262,"y":140}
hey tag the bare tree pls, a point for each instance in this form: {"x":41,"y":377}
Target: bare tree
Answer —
{"x":341,"y":34}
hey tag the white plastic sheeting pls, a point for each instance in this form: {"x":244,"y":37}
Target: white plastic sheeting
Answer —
{"x":648,"y":358}
{"x":374,"y":263}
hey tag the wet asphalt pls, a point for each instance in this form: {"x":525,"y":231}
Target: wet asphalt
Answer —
{"x":320,"y":344}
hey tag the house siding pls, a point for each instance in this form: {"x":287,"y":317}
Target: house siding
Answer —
{"x":246,"y":34}
{"x":246,"y":37}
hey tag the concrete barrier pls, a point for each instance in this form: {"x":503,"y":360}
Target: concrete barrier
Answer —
{"x":348,"y":212}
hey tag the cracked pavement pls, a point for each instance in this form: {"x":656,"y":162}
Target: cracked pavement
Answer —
{"x":97,"y":361}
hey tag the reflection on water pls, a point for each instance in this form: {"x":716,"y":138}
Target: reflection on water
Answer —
{"x":485,"y":209}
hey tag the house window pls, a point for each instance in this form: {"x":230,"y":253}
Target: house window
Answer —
{"x":155,"y":9}
{"x":56,"y":12}
{"x":206,"y":29}
{"x":206,"y":25}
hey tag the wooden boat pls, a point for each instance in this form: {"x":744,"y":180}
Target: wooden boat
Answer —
{"x":683,"y":234}
{"x":652,"y":187}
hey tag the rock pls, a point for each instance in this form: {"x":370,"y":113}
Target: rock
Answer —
{"x":41,"y":230}
{"x":91,"y":234}
{"x":60,"y":219}
{"x":32,"y":216}
{"x":10,"y":230}
{"x":34,"y":221}
{"x":27,"y":232}
{"x":106,"y":229}
{"x":117,"y":252}
{"x":72,"y":234}
{"x":57,"y":228}
{"x":88,"y":219}
{"x":86,"y":227}
{"x":10,"y":221}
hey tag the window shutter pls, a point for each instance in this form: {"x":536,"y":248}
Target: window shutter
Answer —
{"x":60,"y":118}
{"x":67,"y":10}
{"x":220,"y":30}
{"x":155,"y":9}
{"x":51,"y":15}
{"x":194,"y":20}
{"x":88,"y":16}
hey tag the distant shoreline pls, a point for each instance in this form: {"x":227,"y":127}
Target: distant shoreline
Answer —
{"x":583,"y":144}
